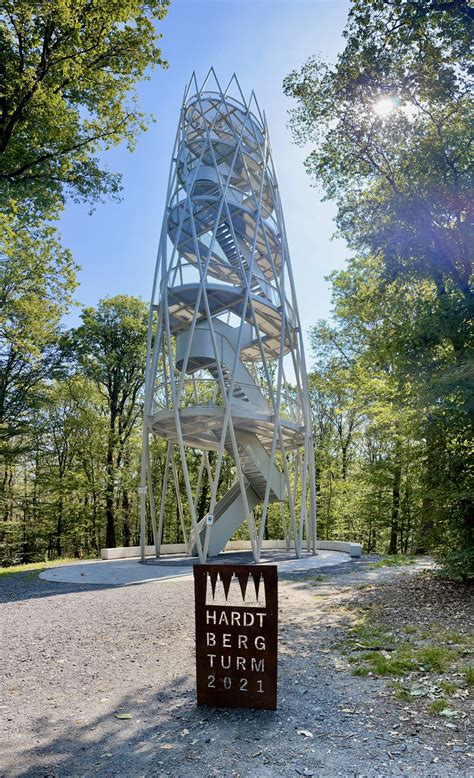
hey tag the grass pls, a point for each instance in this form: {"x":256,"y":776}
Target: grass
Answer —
{"x":369,"y":634}
{"x":395,"y":560}
{"x":453,"y":637}
{"x":436,"y":632}
{"x":33,"y":566}
{"x":448,"y":687}
{"x":425,"y":664}
{"x":436,"y":658}
{"x":360,"y":671}
{"x":438,"y":706}
{"x":400,"y":692}
{"x":392,"y":656}
{"x":399,"y":662}
{"x":469,"y":675}
{"x":406,"y":658}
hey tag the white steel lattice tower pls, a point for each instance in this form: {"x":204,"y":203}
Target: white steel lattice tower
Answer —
{"x":225,"y":364}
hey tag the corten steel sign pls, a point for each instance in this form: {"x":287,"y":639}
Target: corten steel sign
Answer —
{"x":236,"y":635}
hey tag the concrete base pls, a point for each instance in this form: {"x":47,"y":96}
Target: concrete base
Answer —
{"x":354,"y":549}
{"x":125,"y":572}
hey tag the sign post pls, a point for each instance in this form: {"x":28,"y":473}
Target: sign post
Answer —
{"x":236,"y":635}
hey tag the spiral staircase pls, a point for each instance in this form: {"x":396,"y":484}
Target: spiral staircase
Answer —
{"x":225,"y":320}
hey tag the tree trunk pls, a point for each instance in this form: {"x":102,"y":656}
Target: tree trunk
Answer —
{"x":126,"y":517}
{"x":408,"y":494}
{"x":369,"y":537}
{"x":110,"y":540}
{"x":344,"y":462}
{"x":59,"y":527}
{"x":176,"y":531}
{"x":5,"y":483}
{"x":393,"y":545}
{"x":328,"y":520}
{"x":204,"y":497}
{"x":430,"y":477}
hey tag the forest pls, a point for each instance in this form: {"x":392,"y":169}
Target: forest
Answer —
{"x":389,"y":128}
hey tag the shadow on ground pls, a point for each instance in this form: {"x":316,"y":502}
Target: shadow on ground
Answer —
{"x":27,"y":585}
{"x":166,"y":733}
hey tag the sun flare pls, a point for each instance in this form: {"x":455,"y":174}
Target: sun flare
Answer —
{"x":384,"y":106}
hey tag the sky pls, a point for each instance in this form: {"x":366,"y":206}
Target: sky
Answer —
{"x":261,"y":41}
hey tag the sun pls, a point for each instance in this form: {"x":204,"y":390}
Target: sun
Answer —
{"x":384,"y":106}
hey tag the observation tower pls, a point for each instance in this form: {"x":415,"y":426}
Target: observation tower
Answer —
{"x":225,"y":374}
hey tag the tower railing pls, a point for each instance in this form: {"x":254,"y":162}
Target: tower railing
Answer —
{"x":225,"y":362}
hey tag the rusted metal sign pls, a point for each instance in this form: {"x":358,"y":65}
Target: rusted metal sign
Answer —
{"x":236,"y":635}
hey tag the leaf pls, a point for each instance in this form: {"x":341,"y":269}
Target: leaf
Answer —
{"x":418,"y":691}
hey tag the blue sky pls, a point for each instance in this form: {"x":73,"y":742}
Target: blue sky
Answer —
{"x":261,"y":41}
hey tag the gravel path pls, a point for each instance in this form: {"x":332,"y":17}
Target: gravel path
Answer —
{"x":75,"y":656}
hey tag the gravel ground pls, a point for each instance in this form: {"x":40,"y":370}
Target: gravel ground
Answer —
{"x":75,"y":655}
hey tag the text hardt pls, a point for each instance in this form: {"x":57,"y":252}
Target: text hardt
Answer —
{"x":236,"y":641}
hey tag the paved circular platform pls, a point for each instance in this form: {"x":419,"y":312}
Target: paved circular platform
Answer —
{"x":124,"y":572}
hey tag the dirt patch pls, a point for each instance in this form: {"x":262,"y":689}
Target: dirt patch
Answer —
{"x":423,"y":599}
{"x":414,"y":635}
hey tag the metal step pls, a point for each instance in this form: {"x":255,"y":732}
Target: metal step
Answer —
{"x":229,"y":514}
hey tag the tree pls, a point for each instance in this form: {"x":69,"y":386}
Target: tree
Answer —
{"x":367,"y":458}
{"x":68,"y":78}
{"x":110,"y":349}
{"x":390,"y":125}
{"x":37,"y":280}
{"x":392,"y":121}
{"x":69,"y":69}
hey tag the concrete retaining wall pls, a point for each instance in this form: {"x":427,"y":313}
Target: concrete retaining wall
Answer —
{"x":132,"y":551}
{"x":354,"y":549}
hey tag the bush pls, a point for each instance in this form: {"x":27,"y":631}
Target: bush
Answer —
{"x":457,"y":565}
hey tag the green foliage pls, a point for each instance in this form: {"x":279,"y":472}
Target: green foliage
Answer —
{"x":389,"y":126}
{"x":401,"y":658}
{"x":70,"y":68}
{"x":458,"y":565}
{"x":69,"y":406}
{"x":436,"y":658}
{"x":369,"y":635}
{"x":438,"y":705}
{"x":400,"y":693}
{"x":397,"y":560}
{"x":402,"y":178}
{"x":110,"y":349}
{"x":397,"y":663}
{"x":33,"y":567}
{"x":448,"y":687}
{"x":368,"y":462}
{"x":37,"y":279}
